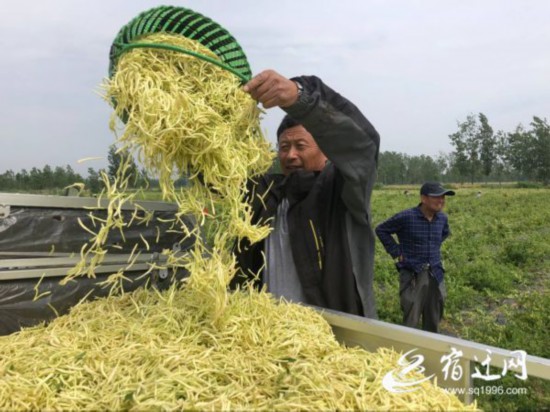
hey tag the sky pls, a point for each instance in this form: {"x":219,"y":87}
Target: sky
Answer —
{"x":414,"y":67}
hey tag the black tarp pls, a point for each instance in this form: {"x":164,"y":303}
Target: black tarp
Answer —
{"x":35,"y":229}
{"x":18,"y":307}
{"x":50,"y":232}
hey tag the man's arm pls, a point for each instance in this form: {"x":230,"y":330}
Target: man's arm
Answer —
{"x":343,"y":134}
{"x":385,"y":230}
{"x":446,"y":230}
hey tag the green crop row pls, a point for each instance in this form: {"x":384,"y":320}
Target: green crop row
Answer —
{"x":497,"y":263}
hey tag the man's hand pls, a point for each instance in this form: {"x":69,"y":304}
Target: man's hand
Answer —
{"x":271,"y":89}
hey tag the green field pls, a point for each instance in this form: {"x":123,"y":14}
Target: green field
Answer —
{"x":497,"y":263}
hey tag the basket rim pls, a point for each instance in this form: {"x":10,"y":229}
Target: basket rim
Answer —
{"x":183,"y":22}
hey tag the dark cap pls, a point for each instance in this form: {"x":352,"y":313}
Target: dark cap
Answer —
{"x":435,"y":189}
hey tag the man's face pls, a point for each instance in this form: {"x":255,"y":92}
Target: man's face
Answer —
{"x":433,"y":203}
{"x":298,"y":151}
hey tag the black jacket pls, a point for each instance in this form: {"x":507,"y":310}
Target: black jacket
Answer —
{"x":328,"y":217}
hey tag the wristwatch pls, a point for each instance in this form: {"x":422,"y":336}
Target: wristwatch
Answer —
{"x":300,"y":89}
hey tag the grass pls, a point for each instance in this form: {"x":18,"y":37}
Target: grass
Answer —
{"x":497,"y":273}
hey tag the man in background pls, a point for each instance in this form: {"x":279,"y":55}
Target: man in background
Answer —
{"x":420,"y":231}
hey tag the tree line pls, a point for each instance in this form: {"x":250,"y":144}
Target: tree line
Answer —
{"x":480,"y":155}
{"x":56,"y":179}
{"x":47,"y":179}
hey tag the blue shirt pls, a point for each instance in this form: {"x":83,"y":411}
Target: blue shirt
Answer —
{"x":419,"y":239}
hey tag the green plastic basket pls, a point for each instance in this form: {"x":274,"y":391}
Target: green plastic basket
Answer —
{"x":187,"y":23}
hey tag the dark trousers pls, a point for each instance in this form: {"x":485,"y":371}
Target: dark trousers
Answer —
{"x":421,"y":295}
